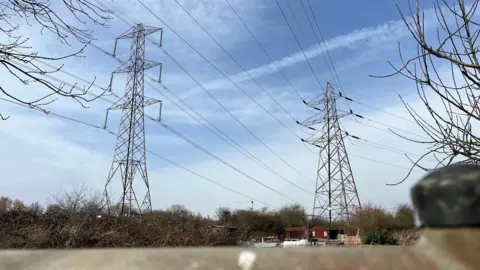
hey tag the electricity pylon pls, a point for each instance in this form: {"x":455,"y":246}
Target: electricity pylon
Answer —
{"x":336,"y":196}
{"x":129,"y":158}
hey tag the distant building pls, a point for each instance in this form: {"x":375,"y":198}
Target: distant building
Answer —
{"x":297,"y":233}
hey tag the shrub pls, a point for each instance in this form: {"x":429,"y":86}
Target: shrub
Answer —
{"x":70,"y":221}
{"x":403,"y":218}
{"x":372,"y":218}
{"x":379,"y":238}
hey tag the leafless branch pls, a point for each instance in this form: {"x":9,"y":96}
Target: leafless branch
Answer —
{"x":449,"y":128}
{"x":16,"y":56}
{"x":79,"y":200}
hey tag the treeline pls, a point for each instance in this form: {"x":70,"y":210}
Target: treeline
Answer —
{"x":71,"y":221}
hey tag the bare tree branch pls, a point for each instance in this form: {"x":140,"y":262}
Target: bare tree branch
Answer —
{"x":16,"y":59}
{"x":449,"y":128}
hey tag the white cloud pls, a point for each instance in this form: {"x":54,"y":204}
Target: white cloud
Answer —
{"x":211,"y":14}
{"x":44,"y":154}
{"x":60,"y":162}
{"x":370,"y":36}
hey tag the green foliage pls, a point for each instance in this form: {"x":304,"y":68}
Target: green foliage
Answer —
{"x":379,"y":238}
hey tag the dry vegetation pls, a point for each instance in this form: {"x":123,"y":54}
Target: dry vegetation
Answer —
{"x":70,"y":221}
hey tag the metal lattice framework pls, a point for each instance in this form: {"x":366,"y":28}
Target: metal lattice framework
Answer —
{"x":129,"y":159}
{"x":336,"y":196}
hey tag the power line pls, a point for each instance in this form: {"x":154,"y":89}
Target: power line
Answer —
{"x":386,"y":147}
{"x":264,"y":50}
{"x":199,"y":147}
{"x":383,"y":124}
{"x":333,"y":72}
{"x":380,"y":110}
{"x":241,"y":66}
{"x":64,"y":82}
{"x":234,"y":144}
{"x":208,"y":179}
{"x":315,"y":34}
{"x":247,"y":153}
{"x":208,"y":93}
{"x":188,"y":140}
{"x":378,"y":161}
{"x":323,"y":42}
{"x":238,"y":120}
{"x":382,"y":162}
{"x":47,"y":112}
{"x":227,"y":76}
{"x":371,"y":143}
{"x":298,"y":43}
{"x":320,"y":42}
{"x":149,"y":151}
{"x":206,"y":151}
{"x":156,"y":89}
{"x":109,"y":54}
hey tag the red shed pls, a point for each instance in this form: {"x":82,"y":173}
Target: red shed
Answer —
{"x":296,"y":233}
{"x":320,"y":232}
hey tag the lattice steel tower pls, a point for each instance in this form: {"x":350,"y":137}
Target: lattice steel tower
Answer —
{"x":129,"y":159}
{"x":336,"y":195}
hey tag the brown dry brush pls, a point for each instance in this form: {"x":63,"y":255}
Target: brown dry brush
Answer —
{"x":60,"y":226}
{"x":24,"y":229}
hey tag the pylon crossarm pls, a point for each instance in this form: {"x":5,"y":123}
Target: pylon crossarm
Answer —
{"x":124,"y":68}
{"x":315,"y":103}
{"x":150,"y":64}
{"x":121,"y":104}
{"x":150,"y":30}
{"x":150,"y":101}
{"x":126,"y":34}
{"x":313,"y":120}
{"x":133,"y":31}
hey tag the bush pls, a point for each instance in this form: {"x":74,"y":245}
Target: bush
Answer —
{"x":379,"y":238}
{"x":372,"y":218}
{"x":70,"y":221}
{"x":404,"y":217}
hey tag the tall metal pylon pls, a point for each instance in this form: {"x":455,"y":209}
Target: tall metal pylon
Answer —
{"x":336,"y":196}
{"x":129,"y":159}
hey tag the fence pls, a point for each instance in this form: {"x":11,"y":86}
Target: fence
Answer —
{"x":447,"y":205}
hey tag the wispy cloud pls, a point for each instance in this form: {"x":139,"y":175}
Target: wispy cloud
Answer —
{"x":388,"y":32}
{"x":211,"y":14}
{"x":59,"y":153}
{"x":377,"y":36}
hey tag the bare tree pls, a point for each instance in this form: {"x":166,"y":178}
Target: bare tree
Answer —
{"x":449,"y":129}
{"x":23,"y":65}
{"x":224,"y":214}
{"x":179,"y":210}
{"x":79,"y":200}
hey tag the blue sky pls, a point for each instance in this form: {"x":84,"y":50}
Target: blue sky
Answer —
{"x":44,"y":154}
